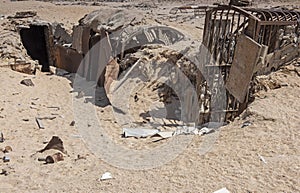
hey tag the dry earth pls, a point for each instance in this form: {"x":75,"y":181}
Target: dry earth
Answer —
{"x":233,"y":161}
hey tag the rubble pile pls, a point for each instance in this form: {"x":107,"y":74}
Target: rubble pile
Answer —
{"x":156,"y":61}
{"x":12,"y":51}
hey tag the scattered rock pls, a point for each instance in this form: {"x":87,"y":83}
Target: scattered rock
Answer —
{"x":4,"y":172}
{"x":27,"y":82}
{"x":72,"y":123}
{"x":79,"y":157}
{"x":54,"y":158}
{"x":1,"y":137}
{"x":23,"y":67}
{"x":246,"y":124}
{"x":7,"y":149}
{"x":6,"y":158}
{"x":50,"y":159}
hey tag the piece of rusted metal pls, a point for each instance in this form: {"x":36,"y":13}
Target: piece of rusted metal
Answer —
{"x":67,"y":58}
{"x":242,"y":68}
{"x":241,"y":3}
{"x":197,"y":10}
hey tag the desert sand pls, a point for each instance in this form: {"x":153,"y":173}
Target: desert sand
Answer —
{"x":261,"y":157}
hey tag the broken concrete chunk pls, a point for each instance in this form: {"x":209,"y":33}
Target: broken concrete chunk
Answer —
{"x":139,"y":133}
{"x":81,"y":37}
{"x":27,"y":82}
{"x":23,"y":67}
{"x":61,"y":35}
{"x":109,"y":21}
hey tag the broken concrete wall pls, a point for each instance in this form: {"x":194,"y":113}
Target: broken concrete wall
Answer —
{"x":80,"y":38}
{"x":61,"y":36}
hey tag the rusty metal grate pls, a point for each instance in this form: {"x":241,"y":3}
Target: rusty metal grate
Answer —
{"x":243,"y":43}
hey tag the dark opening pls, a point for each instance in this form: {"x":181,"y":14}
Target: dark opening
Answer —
{"x":34,"y":40}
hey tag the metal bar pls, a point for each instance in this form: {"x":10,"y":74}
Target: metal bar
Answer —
{"x":264,"y":23}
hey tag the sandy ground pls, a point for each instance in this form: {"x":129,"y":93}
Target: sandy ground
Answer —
{"x":233,"y":161}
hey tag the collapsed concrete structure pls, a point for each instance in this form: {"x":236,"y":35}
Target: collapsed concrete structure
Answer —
{"x":242,"y":43}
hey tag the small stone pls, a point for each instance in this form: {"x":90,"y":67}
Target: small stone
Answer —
{"x":1,"y":137}
{"x":7,"y":149}
{"x":72,"y":123}
{"x":6,"y":159}
{"x":80,"y":95}
{"x":27,"y":82}
{"x":4,"y":172}
{"x":246,"y":124}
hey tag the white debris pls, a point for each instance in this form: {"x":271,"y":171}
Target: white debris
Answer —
{"x":205,"y":130}
{"x":262,"y":158}
{"x":185,"y":130}
{"x":166,"y":134}
{"x":223,"y":190}
{"x":133,"y":132}
{"x":106,"y":176}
